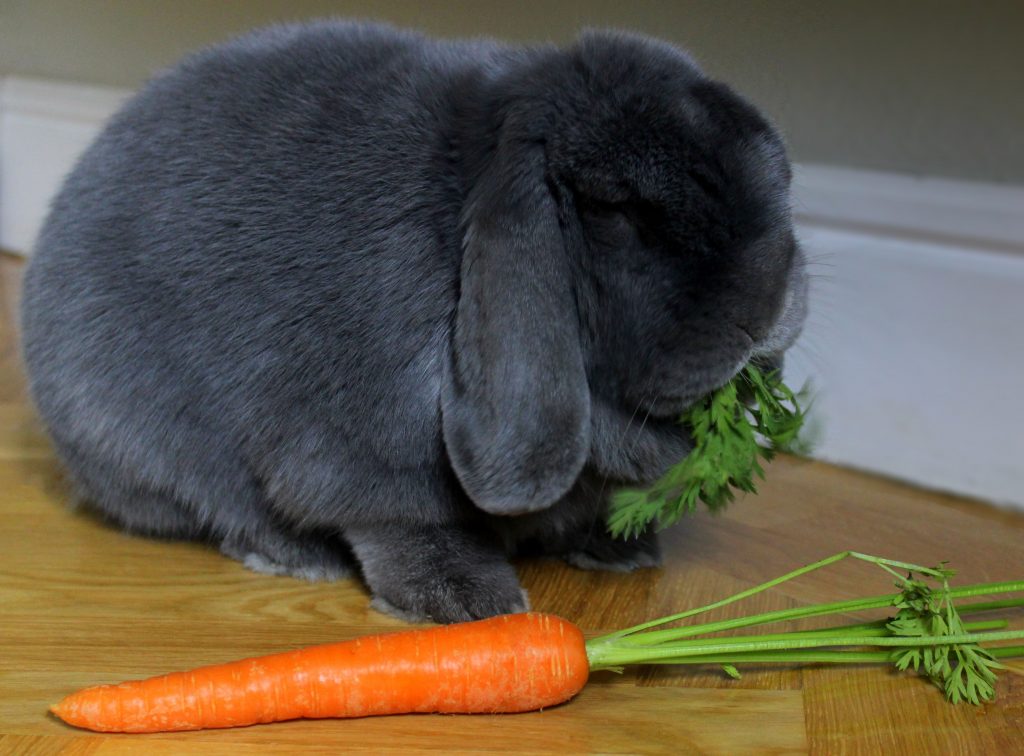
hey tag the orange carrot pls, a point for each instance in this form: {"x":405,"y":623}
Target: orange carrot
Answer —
{"x":512,"y":663}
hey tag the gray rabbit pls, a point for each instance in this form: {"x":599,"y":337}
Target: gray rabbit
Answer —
{"x":337,"y":295}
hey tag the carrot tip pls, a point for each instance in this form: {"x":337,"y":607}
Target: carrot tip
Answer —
{"x":63,"y":710}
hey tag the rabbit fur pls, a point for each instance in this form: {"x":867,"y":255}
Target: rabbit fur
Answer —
{"x":336,"y":295}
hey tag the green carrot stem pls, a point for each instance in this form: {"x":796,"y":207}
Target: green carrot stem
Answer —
{"x":1003,"y":652}
{"x":987,"y":606}
{"x":612,"y":655}
{"x":884,"y":563}
{"x":814,"y":656}
{"x":876,"y":629}
{"x":986,"y":589}
{"x":865,"y":631}
{"x":798,"y":656}
{"x":816,"y":610}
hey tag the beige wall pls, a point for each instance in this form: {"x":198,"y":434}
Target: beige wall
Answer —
{"x":921,"y":87}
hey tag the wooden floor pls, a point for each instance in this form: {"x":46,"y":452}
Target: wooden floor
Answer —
{"x":81,"y":604}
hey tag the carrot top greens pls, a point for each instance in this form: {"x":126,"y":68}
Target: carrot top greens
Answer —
{"x":926,"y":633}
{"x":745,"y":420}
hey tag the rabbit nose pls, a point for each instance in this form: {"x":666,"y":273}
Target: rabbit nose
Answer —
{"x":790,"y":323}
{"x":770,"y":363}
{"x":756,"y":334}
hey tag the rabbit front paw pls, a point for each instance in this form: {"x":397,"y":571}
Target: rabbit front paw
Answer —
{"x":438,"y":575}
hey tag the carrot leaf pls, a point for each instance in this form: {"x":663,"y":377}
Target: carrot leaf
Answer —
{"x":746,"y":420}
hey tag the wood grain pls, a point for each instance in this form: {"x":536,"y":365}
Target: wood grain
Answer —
{"x":81,"y":603}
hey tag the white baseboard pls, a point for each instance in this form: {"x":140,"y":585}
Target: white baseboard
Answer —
{"x":968,"y":214}
{"x":44,"y":126}
{"x":915,"y":337}
{"x":916,"y":354}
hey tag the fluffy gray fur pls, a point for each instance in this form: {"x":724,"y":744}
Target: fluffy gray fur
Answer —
{"x":336,"y":294}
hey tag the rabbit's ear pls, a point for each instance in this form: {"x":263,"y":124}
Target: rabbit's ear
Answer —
{"x":516,"y":401}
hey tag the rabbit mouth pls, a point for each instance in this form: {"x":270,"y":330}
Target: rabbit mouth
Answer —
{"x":670,"y":406}
{"x":675,"y":402}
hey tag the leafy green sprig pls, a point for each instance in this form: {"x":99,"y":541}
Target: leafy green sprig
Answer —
{"x":744,"y":421}
{"x":926,"y":633}
{"x":966,"y":672}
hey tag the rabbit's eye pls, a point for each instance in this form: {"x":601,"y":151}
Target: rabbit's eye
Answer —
{"x":618,"y":213}
{"x":604,"y":207}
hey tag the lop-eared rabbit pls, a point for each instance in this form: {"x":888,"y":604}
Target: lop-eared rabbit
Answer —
{"x":336,"y":296}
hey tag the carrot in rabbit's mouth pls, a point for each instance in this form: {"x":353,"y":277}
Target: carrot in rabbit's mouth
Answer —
{"x":523,"y":662}
{"x":747,"y":419}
